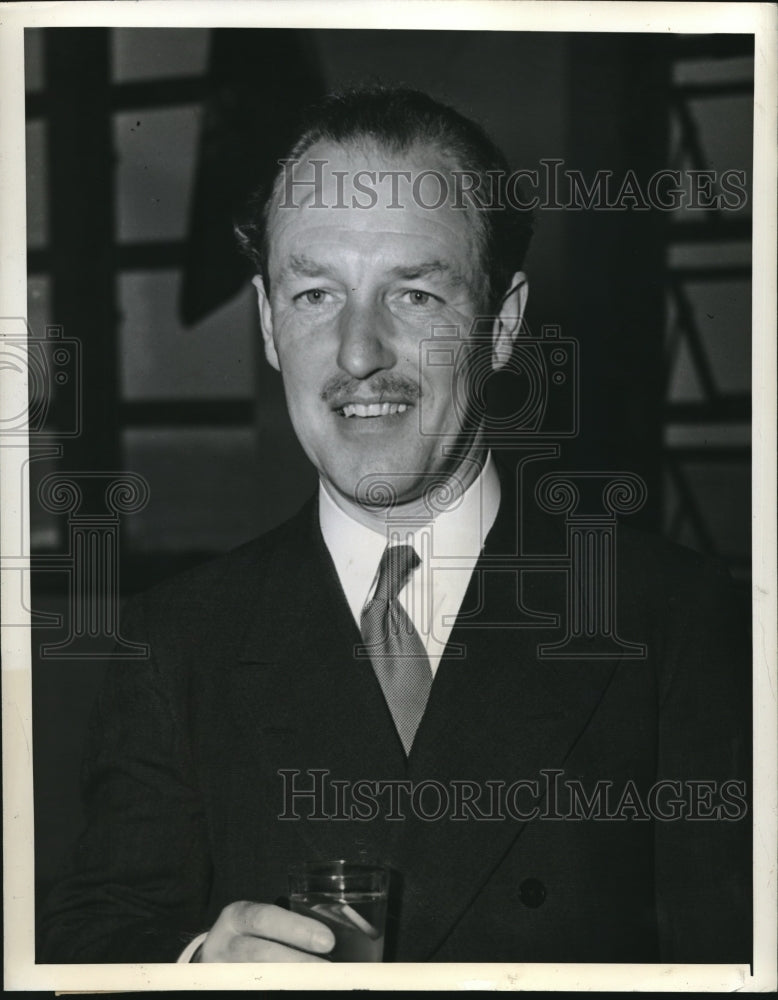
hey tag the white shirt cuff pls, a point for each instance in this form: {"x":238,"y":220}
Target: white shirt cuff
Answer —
{"x":191,"y":948}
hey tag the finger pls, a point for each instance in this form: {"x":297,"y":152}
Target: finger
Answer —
{"x":254,"y":949}
{"x":264,"y":920}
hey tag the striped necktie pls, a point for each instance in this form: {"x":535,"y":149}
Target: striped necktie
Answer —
{"x":396,"y":651}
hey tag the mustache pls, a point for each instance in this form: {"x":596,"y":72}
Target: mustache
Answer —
{"x":341,"y":388}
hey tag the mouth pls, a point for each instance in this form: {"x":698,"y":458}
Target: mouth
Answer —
{"x":371,"y":410}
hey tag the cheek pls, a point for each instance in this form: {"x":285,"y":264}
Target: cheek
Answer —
{"x":303,"y":400}
{"x":297,"y":354}
{"x":304,"y":346}
{"x":301,"y":386}
{"x":441,"y":384}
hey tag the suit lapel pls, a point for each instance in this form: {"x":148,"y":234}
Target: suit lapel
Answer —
{"x":316,"y":706}
{"x":498,"y":714}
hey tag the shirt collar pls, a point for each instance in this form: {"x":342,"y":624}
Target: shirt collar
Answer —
{"x":457,"y":531}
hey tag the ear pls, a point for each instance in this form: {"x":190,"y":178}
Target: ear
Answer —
{"x":266,"y":322}
{"x":508,"y":323}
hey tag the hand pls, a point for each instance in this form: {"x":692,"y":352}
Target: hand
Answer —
{"x":259,"y":932}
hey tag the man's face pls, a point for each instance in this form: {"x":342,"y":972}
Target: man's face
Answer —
{"x":353,"y":293}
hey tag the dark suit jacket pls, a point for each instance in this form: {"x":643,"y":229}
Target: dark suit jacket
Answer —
{"x":252,"y":673}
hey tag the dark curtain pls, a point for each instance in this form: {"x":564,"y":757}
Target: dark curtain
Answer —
{"x":258,"y":82}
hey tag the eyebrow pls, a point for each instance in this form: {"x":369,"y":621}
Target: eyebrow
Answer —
{"x":301,"y":265}
{"x":427,"y":268}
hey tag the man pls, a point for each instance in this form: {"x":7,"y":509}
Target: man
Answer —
{"x":305,"y":693}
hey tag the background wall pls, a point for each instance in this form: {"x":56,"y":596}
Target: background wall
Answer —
{"x":139,"y":142}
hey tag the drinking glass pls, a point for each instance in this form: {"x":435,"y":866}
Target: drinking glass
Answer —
{"x":350,"y":898}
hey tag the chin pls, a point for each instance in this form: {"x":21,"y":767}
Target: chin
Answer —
{"x":377,"y":478}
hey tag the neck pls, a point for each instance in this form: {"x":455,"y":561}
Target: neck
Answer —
{"x":442,"y":494}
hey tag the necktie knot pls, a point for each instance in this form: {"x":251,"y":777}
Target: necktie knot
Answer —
{"x":397,"y":564}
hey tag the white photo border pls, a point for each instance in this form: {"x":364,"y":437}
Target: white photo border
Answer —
{"x":759,"y":19}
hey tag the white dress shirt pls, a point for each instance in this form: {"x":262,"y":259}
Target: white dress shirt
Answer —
{"x":448,"y":545}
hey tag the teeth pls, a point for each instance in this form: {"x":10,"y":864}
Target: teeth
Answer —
{"x":373,"y":409}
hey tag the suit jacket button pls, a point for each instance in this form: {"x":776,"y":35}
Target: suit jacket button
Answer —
{"x":532,"y":892}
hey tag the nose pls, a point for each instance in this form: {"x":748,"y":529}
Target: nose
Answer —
{"x":365,"y":340}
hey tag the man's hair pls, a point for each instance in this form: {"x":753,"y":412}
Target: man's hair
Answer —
{"x":398,"y":119}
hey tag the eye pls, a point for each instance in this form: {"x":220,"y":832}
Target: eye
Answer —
{"x":418,"y":298}
{"x":312,"y":296}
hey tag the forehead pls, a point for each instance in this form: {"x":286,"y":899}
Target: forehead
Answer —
{"x":370,"y":199}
